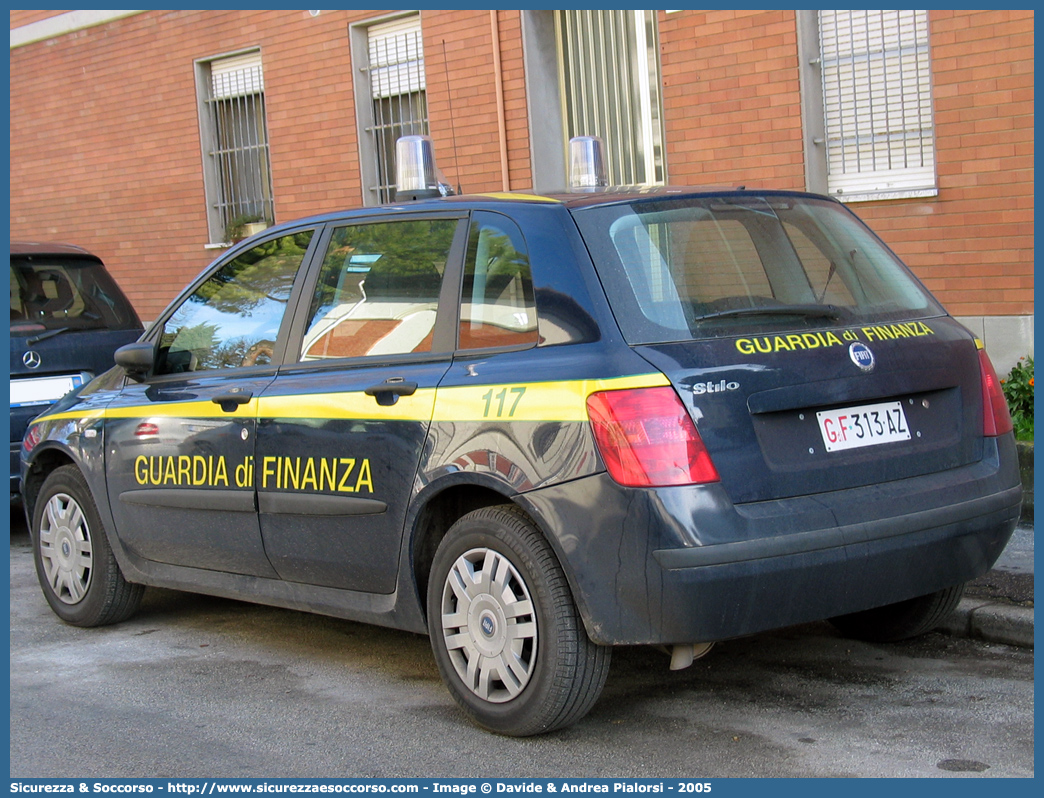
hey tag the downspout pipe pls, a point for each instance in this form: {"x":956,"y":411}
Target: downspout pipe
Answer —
{"x":498,"y":77}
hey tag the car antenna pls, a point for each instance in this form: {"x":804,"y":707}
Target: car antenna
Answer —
{"x":453,"y":127}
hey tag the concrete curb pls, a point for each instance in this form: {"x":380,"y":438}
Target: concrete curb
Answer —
{"x":1025,"y":450}
{"x":992,"y":621}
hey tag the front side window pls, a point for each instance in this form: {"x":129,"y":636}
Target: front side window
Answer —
{"x":378,"y":290}
{"x":701,"y":267}
{"x":234,"y":135}
{"x":233,"y":319}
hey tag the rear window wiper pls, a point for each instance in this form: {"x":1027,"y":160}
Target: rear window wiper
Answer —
{"x":807,"y":311}
{"x":45,"y":335}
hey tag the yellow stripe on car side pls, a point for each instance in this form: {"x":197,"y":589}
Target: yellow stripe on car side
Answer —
{"x":531,"y":401}
{"x":564,"y":400}
{"x":200,"y":409}
{"x":349,"y":405}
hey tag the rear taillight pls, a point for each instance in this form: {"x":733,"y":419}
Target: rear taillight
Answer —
{"x":996,"y":419}
{"x":647,"y":439}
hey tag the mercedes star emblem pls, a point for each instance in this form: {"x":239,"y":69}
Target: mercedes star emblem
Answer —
{"x":31,"y":359}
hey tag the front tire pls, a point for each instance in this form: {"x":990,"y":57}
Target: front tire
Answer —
{"x":900,"y":621}
{"x":74,"y":563}
{"x":506,"y":634}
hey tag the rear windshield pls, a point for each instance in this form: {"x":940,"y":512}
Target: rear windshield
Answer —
{"x":697,"y":267}
{"x":50,"y":293}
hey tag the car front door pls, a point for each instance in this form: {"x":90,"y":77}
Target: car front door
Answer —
{"x":180,"y":444}
{"x":341,"y":432}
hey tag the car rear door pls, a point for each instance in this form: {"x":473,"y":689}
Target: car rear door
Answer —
{"x":342,"y":429}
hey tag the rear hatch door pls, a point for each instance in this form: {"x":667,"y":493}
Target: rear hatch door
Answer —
{"x":807,"y":411}
{"x":810,"y":357}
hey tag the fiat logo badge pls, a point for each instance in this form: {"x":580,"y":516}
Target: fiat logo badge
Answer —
{"x":488,"y":625}
{"x":862,"y":356}
{"x":31,"y":359}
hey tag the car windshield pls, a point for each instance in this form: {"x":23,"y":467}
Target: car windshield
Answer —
{"x":699,"y":267}
{"x":57,"y":293}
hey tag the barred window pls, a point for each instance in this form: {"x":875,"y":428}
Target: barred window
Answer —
{"x":389,"y":59}
{"x":234,"y":135}
{"x":877,"y":104}
{"x":610,"y":76}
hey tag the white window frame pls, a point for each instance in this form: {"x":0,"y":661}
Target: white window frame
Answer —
{"x":390,"y":96}
{"x":236,"y":79}
{"x":867,"y":104}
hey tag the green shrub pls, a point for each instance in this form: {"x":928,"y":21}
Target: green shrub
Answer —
{"x":1018,"y":390}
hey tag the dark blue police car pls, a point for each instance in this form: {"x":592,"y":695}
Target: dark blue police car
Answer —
{"x":536,"y":427}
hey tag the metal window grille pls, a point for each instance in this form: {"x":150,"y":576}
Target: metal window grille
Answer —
{"x":397,"y":91}
{"x":877,"y":102}
{"x":610,"y":87}
{"x":239,"y":160}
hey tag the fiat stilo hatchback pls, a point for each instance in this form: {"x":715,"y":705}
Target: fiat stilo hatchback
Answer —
{"x":537,"y":427}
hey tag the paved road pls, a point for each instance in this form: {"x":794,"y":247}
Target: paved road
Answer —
{"x":201,"y":687}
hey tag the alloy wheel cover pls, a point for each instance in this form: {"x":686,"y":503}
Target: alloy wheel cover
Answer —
{"x":66,"y":551}
{"x":489,"y":625}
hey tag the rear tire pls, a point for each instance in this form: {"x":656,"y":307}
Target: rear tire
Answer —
{"x":506,"y":634}
{"x":902,"y":620}
{"x":74,"y":563}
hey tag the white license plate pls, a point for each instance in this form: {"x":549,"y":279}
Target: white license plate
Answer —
{"x":867,"y":425}
{"x":42,"y":390}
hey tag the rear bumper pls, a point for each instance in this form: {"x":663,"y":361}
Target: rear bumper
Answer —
{"x":680,"y":565}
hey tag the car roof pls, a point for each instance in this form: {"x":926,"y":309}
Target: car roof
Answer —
{"x":49,"y":248}
{"x":573,"y":200}
{"x":594,"y":196}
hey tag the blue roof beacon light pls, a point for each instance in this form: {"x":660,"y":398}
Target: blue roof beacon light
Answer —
{"x":416,"y":175}
{"x":587,"y":163}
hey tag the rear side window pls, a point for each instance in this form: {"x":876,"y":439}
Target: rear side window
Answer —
{"x":54,"y":292}
{"x":497,"y":307}
{"x":700,"y":267}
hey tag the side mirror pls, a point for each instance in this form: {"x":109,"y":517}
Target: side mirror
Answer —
{"x":137,"y":359}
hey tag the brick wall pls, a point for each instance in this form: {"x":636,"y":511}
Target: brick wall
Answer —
{"x":732,"y":100}
{"x":462,"y":101}
{"x":459,"y":61}
{"x":973,"y":244}
{"x":732,"y":105}
{"x":19,"y":18}
{"x":105,"y":135}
